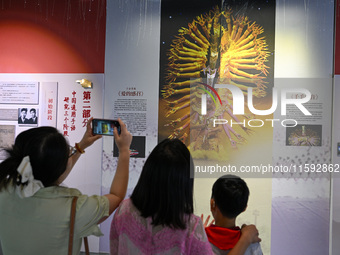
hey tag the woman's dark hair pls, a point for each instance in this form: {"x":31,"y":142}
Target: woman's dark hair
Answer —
{"x":48,"y":152}
{"x":164,"y":190}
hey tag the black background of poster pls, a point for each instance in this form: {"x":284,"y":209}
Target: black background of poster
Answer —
{"x":183,"y":12}
{"x":137,"y":146}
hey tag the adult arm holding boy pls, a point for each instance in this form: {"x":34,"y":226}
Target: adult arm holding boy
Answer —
{"x":249,"y":235}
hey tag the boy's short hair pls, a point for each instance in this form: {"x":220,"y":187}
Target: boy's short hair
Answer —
{"x":231,"y":194}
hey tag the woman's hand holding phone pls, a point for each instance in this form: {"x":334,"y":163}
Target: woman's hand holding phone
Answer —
{"x":88,"y":138}
{"x":124,"y":139}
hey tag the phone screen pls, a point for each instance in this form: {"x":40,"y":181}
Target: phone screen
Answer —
{"x":104,"y":127}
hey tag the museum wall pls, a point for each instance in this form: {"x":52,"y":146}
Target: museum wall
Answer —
{"x":121,"y":47}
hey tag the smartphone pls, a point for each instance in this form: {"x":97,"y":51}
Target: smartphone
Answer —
{"x":104,"y":127}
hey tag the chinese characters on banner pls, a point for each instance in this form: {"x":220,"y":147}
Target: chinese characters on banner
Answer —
{"x":70,"y":111}
{"x":48,"y":104}
{"x":50,"y":109}
{"x":86,"y":106}
{"x":131,"y":91}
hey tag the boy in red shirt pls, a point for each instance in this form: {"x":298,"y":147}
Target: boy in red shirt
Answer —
{"x":229,"y":198}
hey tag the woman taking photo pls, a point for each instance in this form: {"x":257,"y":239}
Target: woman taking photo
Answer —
{"x":35,"y":209}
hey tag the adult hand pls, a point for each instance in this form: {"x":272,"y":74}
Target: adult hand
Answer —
{"x":206,"y":222}
{"x":123,"y":140}
{"x":88,"y":138}
{"x":251,"y":233}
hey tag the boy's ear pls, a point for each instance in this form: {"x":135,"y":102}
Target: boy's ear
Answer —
{"x":212,"y":205}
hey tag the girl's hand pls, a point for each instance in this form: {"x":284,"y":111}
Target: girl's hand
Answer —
{"x":206,"y":222}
